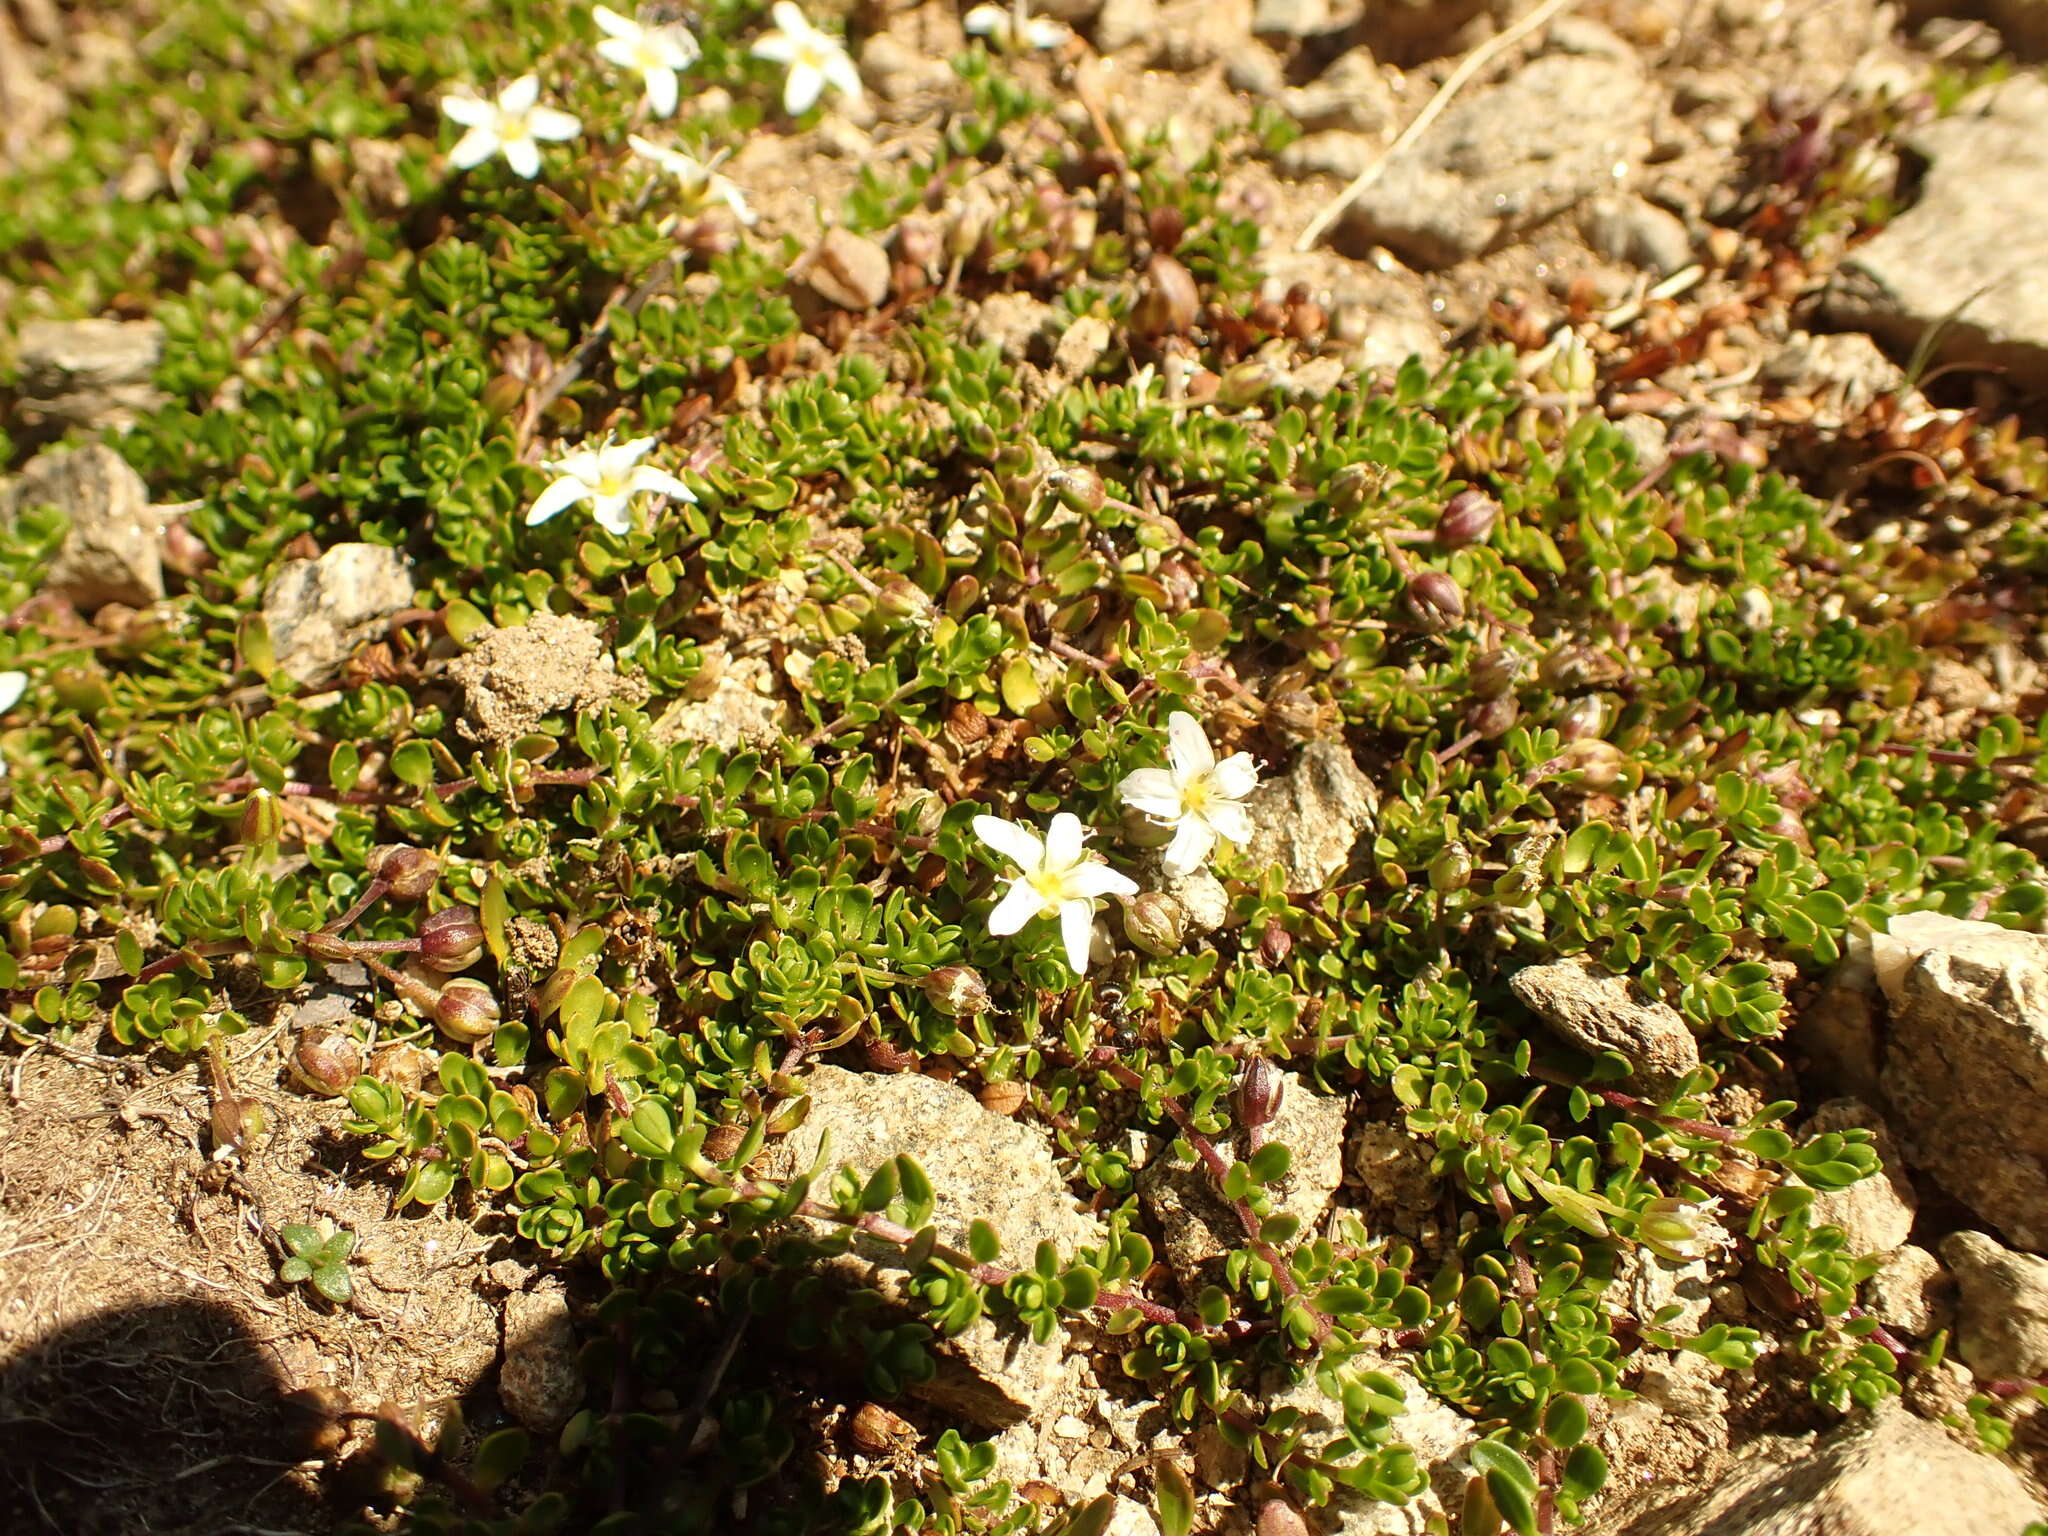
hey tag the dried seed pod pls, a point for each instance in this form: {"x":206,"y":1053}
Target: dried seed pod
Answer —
{"x":466,"y":1010}
{"x":1435,"y":601}
{"x":722,"y":1141}
{"x":238,"y":1125}
{"x":326,"y":1062}
{"x":452,"y":939}
{"x":401,"y":1066}
{"x":1493,"y":673}
{"x":875,"y":1429}
{"x":965,"y":724}
{"x":1467,"y":518}
{"x":1275,"y":944}
{"x":955,"y":990}
{"x":1168,"y":302}
{"x":1166,"y":224}
{"x":1584,"y":716}
{"x":1572,"y":667}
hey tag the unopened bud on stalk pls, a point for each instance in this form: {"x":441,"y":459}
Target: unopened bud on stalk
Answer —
{"x":452,"y":939}
{"x":409,"y":871}
{"x":1598,"y":763}
{"x":1583,"y":717}
{"x":1467,"y":518}
{"x":1169,"y":300}
{"x":238,"y":1125}
{"x":1155,"y":922}
{"x":1260,"y":1090}
{"x":262,"y":820}
{"x":1451,"y":870}
{"x":903,"y":598}
{"x":466,"y":1010}
{"x":1245,"y":383}
{"x":401,"y":1065}
{"x":1435,"y":601}
{"x":1078,"y":488}
{"x":955,"y":990}
{"x":1275,"y":944}
{"x":326,"y":1062}
{"x":1492,"y":717}
{"x":1493,"y":673}
{"x":1277,"y":1517}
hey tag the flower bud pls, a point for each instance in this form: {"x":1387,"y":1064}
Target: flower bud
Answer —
{"x":1154,"y":922}
{"x":1078,"y":488}
{"x":1493,"y":673}
{"x":1351,"y":487}
{"x":1678,"y":1230}
{"x":1168,"y":301}
{"x":501,"y":396}
{"x":1246,"y":383}
{"x":452,"y":939}
{"x":1584,"y":716}
{"x":1598,"y":763}
{"x":409,"y":871}
{"x":238,"y":1124}
{"x":1434,"y":601}
{"x":1492,"y":717}
{"x":1467,"y":518}
{"x":262,"y":820}
{"x":1143,"y":831}
{"x":1275,"y":944}
{"x":1166,"y":224}
{"x":1572,"y":667}
{"x":904,"y":599}
{"x":1451,"y":870}
{"x":1260,"y":1089}
{"x":326,"y":1062}
{"x":955,"y":990}
{"x":466,"y":1010}
{"x":1277,"y":1517}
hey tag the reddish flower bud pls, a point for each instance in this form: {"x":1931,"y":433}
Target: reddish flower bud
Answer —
{"x":1435,"y":601}
{"x":955,"y":990}
{"x":1467,"y":518}
{"x":326,"y":1062}
{"x":452,"y":939}
{"x":1259,"y":1093}
{"x":409,"y":871}
{"x":466,"y":1010}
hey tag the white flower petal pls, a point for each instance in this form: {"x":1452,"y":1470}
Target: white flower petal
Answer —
{"x":12,"y":686}
{"x":1187,"y":749}
{"x":985,"y":21}
{"x":523,"y":155}
{"x":1019,"y":905}
{"x":734,"y":199}
{"x":552,"y":125}
{"x":1192,"y":843}
{"x":469,"y":111}
{"x":618,"y":26}
{"x":614,"y":513}
{"x":844,"y":75}
{"x":1235,"y":777}
{"x":662,"y":92}
{"x":1077,"y":931}
{"x":1151,"y":790}
{"x":775,"y":48}
{"x":788,"y":18}
{"x":473,"y":148}
{"x":1097,"y":879}
{"x":801,"y":90}
{"x":1230,"y":821}
{"x":675,"y":45}
{"x":583,"y":463}
{"x":616,"y":50}
{"x":565,"y":492}
{"x":1044,"y":32}
{"x":1018,"y":844}
{"x":659,"y":482}
{"x":1064,"y":840}
{"x":520,"y":95}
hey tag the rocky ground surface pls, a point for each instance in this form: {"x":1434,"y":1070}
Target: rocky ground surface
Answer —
{"x":1696,"y":176}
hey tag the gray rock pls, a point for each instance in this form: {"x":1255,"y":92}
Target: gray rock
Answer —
{"x":1199,"y":1229}
{"x":1338,"y":154}
{"x":1257,"y":71}
{"x":1394,"y":1168}
{"x":1290,"y":20}
{"x":1016,"y":322}
{"x":1684,"y":1385}
{"x":735,"y":706}
{"x":1966,"y":1069}
{"x":1309,"y":820}
{"x":1204,"y":900}
{"x":1912,"y":1294}
{"x":1885,"y":1473}
{"x":319,"y":611}
{"x":1957,"y":267}
{"x":1594,"y":1011}
{"x":539,"y":1380}
{"x":1842,"y":373}
{"x":1584,"y":35}
{"x":1837,"y":1031}
{"x":981,"y":1165}
{"x":512,"y":677}
{"x":1875,"y":1214}
{"x":1353,"y":94}
{"x":2001,"y":1307}
{"x":109,"y":553}
{"x":95,"y":373}
{"x":1623,"y":227}
{"x":1565,"y":127}
{"x":1120,"y":23}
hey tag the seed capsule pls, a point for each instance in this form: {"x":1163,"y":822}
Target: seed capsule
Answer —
{"x":326,"y":1062}
{"x":1169,"y":301}
{"x":1155,"y":922}
{"x":1493,"y":673}
{"x":1435,"y":601}
{"x":409,"y":871}
{"x":1260,"y":1091}
{"x":1467,"y":518}
{"x":401,"y":1066}
{"x":466,"y":1010}
{"x":452,"y":939}
{"x":955,"y":990}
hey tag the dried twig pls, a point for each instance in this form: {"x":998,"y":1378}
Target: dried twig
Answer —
{"x":1474,"y":62}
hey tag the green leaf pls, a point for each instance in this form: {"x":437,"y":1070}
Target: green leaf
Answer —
{"x":982,"y":1242}
{"x":413,"y":764}
{"x":1271,"y":1162}
{"x":331,"y":1281}
{"x":499,"y":1458}
{"x":1564,"y":1422}
{"x":1175,"y":1500}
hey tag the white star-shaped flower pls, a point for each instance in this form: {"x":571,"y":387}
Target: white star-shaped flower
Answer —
{"x":513,"y":126}
{"x":815,"y":60}
{"x":608,"y":476}
{"x":12,"y":686}
{"x":1055,"y":878}
{"x":1194,"y":794}
{"x":697,"y":182}
{"x":1006,"y":26}
{"x":655,"y":54}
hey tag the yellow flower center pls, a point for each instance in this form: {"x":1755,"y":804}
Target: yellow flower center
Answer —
{"x":611,"y":483}
{"x":1051,"y":884}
